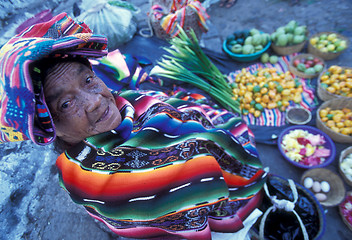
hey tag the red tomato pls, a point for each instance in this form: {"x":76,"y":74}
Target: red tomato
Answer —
{"x":296,"y":62}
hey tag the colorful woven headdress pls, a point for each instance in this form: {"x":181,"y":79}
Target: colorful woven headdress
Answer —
{"x":23,"y":112}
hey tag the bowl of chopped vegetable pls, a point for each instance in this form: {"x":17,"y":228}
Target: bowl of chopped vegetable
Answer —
{"x":306,"y":147}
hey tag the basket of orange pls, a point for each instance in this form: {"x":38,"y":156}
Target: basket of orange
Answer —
{"x":335,"y":82}
{"x":334,"y":117}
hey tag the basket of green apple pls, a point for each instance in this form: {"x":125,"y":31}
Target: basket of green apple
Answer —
{"x":327,"y":45}
{"x":246,"y":45}
{"x":306,"y":65}
{"x":290,"y":38}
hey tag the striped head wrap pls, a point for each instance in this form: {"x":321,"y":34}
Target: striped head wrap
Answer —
{"x":24,"y":114}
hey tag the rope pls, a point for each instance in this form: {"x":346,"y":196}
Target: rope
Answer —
{"x":282,"y":204}
{"x":149,"y":29}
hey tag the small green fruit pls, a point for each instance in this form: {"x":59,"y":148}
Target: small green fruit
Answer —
{"x":265,"y":58}
{"x":273,"y":59}
{"x":248,"y":49}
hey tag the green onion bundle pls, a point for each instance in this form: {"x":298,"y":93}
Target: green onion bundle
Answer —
{"x":188,"y":63}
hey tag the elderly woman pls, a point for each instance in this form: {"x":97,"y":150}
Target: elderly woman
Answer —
{"x":145,"y":164}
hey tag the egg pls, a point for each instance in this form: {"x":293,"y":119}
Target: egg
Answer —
{"x":308,"y":182}
{"x":321,"y":197}
{"x":316,"y":187}
{"x":325,"y":186}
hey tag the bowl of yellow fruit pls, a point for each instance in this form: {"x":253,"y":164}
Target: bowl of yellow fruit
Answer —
{"x":327,"y":45}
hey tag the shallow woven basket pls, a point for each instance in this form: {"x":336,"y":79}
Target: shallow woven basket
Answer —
{"x":337,"y":189}
{"x":349,"y":193}
{"x":323,"y":94}
{"x":190,"y":22}
{"x":294,"y":70}
{"x":298,"y":115}
{"x":287,"y":50}
{"x":326,"y":55}
{"x":343,"y":155}
{"x":336,"y":103}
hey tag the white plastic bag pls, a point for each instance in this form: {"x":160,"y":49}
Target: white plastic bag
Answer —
{"x":114,"y":19}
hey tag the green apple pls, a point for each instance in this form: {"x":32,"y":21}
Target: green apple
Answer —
{"x":343,"y":43}
{"x":331,"y":36}
{"x":323,"y":36}
{"x":339,"y":49}
{"x":331,"y":47}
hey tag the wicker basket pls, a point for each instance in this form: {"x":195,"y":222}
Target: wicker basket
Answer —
{"x":337,"y":189}
{"x":190,"y":22}
{"x":323,"y":94}
{"x":326,"y":55}
{"x":349,"y":193}
{"x":337,"y":103}
{"x":343,"y":155}
{"x":294,"y":70}
{"x":287,"y":50}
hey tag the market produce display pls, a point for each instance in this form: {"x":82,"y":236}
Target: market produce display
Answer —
{"x":328,"y":42}
{"x":290,"y":34}
{"x":266,"y":88}
{"x":337,"y":80}
{"x":247,"y":41}
{"x":305,"y":148}
{"x":338,"y":120}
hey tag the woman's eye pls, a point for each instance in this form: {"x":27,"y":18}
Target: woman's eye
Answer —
{"x":89,"y":79}
{"x":65,"y":105}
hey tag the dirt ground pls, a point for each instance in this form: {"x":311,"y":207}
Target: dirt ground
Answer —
{"x":33,"y":206}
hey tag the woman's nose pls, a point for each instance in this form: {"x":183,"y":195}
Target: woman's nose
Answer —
{"x":92,"y":101}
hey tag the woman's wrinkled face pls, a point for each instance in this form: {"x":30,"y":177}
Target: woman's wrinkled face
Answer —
{"x":80,"y":103}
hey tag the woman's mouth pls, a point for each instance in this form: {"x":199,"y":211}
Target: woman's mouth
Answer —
{"x":104,"y":116}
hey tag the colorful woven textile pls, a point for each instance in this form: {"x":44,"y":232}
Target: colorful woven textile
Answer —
{"x":170,"y":18}
{"x":23,"y":112}
{"x":274,"y":117}
{"x":167,"y":169}
{"x":121,"y":71}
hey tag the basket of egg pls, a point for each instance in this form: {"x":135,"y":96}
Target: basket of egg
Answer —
{"x":326,"y":185}
{"x":334,"y":117}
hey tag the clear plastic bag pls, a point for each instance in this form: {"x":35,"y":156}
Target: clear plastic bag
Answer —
{"x":114,"y":19}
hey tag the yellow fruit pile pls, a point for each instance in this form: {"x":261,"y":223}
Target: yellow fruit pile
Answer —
{"x":337,"y":80}
{"x":266,"y":88}
{"x":338,"y":120}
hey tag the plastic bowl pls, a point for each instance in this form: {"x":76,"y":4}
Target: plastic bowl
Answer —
{"x":244,"y":57}
{"x":329,"y":144}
